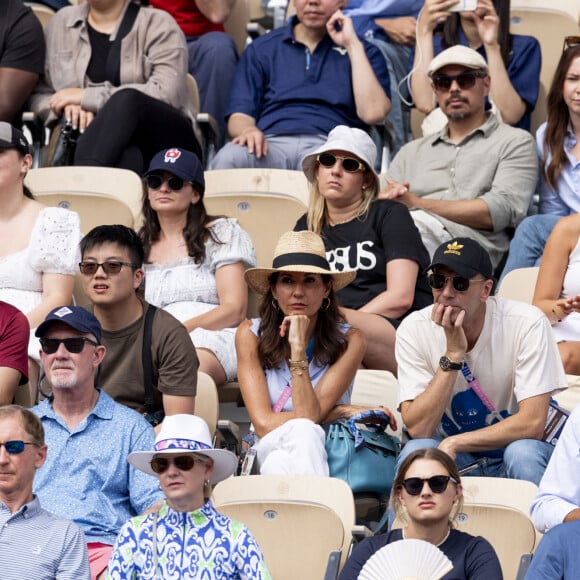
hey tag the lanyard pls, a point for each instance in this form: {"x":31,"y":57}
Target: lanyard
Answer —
{"x":476,"y":387}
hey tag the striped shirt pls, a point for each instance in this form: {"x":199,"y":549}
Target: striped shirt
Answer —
{"x":35,"y":544}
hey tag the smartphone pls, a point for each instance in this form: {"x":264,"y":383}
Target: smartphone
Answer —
{"x":463,"y":6}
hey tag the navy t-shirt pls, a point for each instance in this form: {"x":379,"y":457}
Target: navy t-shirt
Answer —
{"x":473,"y":557}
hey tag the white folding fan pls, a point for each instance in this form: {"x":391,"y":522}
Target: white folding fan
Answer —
{"x":406,"y":560}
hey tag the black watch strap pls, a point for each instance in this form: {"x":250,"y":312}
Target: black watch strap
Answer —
{"x":447,"y":364}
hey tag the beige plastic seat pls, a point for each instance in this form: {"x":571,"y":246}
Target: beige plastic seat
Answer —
{"x":280,"y":181}
{"x":236,"y":24}
{"x":374,"y":387}
{"x":297,"y":520}
{"x":498,"y":510}
{"x":100,"y":195}
{"x":519,"y":284}
{"x":550,"y":24}
{"x":264,"y":216}
{"x":42,"y":12}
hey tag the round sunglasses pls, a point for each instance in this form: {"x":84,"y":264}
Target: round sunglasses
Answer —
{"x":460,"y":284}
{"x":15,"y":447}
{"x":464,"y":80}
{"x":349,"y":164}
{"x":73,"y":344}
{"x":174,"y":183}
{"x":111,"y":267}
{"x":182,"y":462}
{"x":437,"y":484}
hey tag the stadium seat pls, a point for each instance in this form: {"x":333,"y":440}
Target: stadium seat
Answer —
{"x":519,"y":284}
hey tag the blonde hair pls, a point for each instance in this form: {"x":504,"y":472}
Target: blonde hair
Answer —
{"x":317,"y":217}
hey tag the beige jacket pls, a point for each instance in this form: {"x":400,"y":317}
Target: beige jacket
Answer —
{"x":153,"y":60}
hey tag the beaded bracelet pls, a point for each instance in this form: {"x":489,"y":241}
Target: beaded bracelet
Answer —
{"x":558,"y":319}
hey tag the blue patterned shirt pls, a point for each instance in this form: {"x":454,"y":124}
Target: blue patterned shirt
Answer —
{"x":86,"y":477}
{"x":200,"y":545}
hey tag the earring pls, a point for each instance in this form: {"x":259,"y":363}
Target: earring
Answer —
{"x":364,"y":187}
{"x":275,"y":305}
{"x":326,"y":306}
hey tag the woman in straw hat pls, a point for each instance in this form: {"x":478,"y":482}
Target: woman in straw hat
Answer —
{"x":187,"y":538}
{"x":296,"y":363}
{"x":376,"y":237}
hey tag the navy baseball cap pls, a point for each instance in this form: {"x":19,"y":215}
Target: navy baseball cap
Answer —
{"x":13,"y":138}
{"x":75,"y":317}
{"x":464,"y":256}
{"x":181,"y":163}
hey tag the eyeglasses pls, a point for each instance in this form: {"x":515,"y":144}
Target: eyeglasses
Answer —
{"x":90,"y":268}
{"x":73,"y":344}
{"x":15,"y":447}
{"x":464,"y":80}
{"x":460,"y":284}
{"x":182,"y":462}
{"x":437,"y":484}
{"x":349,"y":164}
{"x":570,"y":41}
{"x":156,"y":181}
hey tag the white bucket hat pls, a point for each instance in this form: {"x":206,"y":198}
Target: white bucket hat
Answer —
{"x":343,"y":138}
{"x":298,"y":252}
{"x":183,"y":433}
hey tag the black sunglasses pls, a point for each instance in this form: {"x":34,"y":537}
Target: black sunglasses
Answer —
{"x":156,"y":181}
{"x":465,"y":80}
{"x":74,"y":344}
{"x":437,"y":484}
{"x":15,"y":447}
{"x":349,"y":164}
{"x":460,"y":284}
{"x":90,"y":268}
{"x":182,"y":462}
{"x":570,"y":41}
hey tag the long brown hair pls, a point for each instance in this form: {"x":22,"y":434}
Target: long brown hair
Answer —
{"x":329,"y":342}
{"x":195,"y":233}
{"x":558,"y":118}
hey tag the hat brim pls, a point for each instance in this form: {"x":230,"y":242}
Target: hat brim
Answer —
{"x":225,"y":462}
{"x":257,"y":278}
{"x":309,"y":162}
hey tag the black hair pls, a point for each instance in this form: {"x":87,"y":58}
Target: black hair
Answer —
{"x":121,"y":235}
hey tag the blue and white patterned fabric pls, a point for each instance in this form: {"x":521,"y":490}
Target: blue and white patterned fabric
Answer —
{"x":200,"y":545}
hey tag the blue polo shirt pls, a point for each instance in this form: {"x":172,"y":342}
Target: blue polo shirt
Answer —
{"x":523,"y":69}
{"x":291,"y":91}
{"x":86,"y":477}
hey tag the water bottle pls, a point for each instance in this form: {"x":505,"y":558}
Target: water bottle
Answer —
{"x":278,"y":8}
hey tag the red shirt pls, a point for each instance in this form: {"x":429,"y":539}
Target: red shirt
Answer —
{"x":14,"y":336}
{"x":187,"y":15}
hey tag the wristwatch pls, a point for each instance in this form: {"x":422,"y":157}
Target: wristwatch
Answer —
{"x":447,"y":364}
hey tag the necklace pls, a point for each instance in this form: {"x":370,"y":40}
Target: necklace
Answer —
{"x":351,"y":216}
{"x":439,"y":544}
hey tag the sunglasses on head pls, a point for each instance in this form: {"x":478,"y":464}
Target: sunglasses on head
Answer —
{"x":111,"y":267}
{"x":460,"y":284}
{"x":156,"y":181}
{"x":570,"y":41}
{"x":437,"y":484}
{"x":182,"y":462}
{"x":73,"y":344}
{"x":464,"y":80}
{"x":15,"y":447}
{"x":349,"y":164}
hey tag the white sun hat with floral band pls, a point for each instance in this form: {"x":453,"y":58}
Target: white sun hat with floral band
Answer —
{"x":347,"y":139}
{"x":186,"y":433}
{"x":298,"y":252}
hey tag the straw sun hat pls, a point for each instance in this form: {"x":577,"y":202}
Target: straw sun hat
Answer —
{"x":298,"y":252}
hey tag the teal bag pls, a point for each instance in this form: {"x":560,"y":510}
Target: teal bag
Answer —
{"x":363,"y":457}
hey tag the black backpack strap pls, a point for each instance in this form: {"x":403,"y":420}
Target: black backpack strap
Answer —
{"x":147,"y":359}
{"x":113,"y":66}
